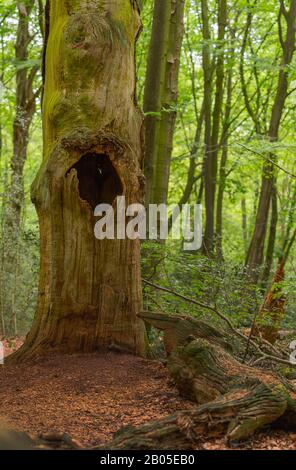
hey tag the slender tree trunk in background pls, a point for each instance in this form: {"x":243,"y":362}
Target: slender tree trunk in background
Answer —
{"x":290,"y":221}
{"x":244,"y":223}
{"x":220,"y":200}
{"x":90,"y":290}
{"x":200,"y":193}
{"x":191,"y":176}
{"x":161,"y":96}
{"x":155,"y":78}
{"x":25,"y":109}
{"x":153,"y":91}
{"x":212,"y":120}
{"x":254,"y":209}
{"x":288,"y":247}
{"x":271,"y":239}
{"x":209,"y":183}
{"x":256,"y":250}
{"x":3,"y":66}
{"x":222,"y":169}
{"x":160,"y":106}
{"x":169,"y":99}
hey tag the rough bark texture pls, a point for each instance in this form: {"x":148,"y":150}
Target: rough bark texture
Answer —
{"x":234,"y":401}
{"x":90,"y":290}
{"x":17,"y":440}
{"x":236,"y":419}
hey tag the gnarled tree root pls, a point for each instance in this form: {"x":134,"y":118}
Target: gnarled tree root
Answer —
{"x":235,"y":418}
{"x":234,"y":401}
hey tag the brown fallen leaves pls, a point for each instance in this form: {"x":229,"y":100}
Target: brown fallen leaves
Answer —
{"x":86,"y":396}
{"x":90,"y":397}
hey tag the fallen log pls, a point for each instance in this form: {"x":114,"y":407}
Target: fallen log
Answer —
{"x":234,"y":418}
{"x":234,"y":399}
{"x":237,"y":400}
{"x":177,"y":328}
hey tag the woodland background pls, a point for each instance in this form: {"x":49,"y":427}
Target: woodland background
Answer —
{"x":222,"y":104}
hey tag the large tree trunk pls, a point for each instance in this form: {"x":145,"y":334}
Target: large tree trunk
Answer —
{"x":90,"y":290}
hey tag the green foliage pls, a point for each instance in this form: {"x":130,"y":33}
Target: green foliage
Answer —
{"x":221,"y":283}
{"x":21,"y":284}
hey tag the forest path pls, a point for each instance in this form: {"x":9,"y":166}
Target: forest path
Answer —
{"x":91,"y":396}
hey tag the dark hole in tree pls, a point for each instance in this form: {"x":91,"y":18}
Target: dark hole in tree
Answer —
{"x":98,"y":180}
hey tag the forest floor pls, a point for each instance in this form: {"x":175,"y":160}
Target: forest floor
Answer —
{"x":91,"y":396}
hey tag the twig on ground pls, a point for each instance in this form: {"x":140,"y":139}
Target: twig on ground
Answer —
{"x":272,"y":358}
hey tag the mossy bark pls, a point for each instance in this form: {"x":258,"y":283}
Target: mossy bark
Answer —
{"x":234,"y":400}
{"x":90,"y":290}
{"x":235,"y":418}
